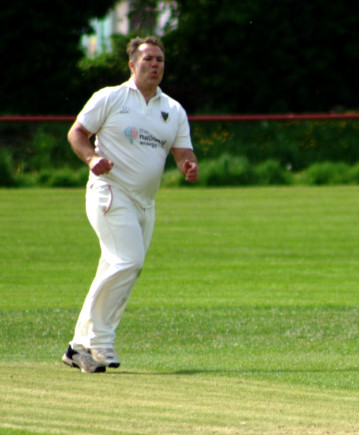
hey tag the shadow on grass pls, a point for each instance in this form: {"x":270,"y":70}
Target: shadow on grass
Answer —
{"x":237,"y":372}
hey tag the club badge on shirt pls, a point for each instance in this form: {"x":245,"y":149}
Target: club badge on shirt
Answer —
{"x":165,"y":116}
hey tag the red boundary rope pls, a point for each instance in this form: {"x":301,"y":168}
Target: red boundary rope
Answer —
{"x":204,"y":118}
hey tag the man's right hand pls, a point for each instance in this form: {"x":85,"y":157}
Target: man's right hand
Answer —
{"x":100,"y":165}
{"x":79,"y":138}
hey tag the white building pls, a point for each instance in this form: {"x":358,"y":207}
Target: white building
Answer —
{"x":122,"y":20}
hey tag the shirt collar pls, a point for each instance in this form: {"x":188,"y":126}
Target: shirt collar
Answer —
{"x":132,"y":85}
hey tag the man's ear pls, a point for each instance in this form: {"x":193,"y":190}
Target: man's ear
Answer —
{"x":131,"y":65}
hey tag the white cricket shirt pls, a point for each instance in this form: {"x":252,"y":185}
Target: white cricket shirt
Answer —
{"x":137,"y":137}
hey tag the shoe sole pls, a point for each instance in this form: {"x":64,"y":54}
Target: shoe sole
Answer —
{"x":68,"y":361}
{"x":114,"y":365}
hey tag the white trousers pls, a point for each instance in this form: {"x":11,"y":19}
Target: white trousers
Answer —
{"x":124,"y":230}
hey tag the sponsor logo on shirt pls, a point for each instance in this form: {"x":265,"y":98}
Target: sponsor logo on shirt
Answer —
{"x":145,"y":138}
{"x":131,"y":133}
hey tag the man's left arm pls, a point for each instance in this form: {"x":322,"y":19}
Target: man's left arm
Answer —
{"x":186,"y":162}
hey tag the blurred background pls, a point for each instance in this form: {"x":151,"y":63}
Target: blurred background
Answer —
{"x":222,"y":57}
{"x":239,"y":56}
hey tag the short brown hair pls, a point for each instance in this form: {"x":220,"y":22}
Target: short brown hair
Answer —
{"x":132,"y":46}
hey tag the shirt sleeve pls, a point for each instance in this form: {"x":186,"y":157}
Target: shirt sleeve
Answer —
{"x":95,"y":111}
{"x":183,"y":138}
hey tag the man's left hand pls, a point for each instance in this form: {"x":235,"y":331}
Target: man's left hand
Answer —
{"x":191,"y":171}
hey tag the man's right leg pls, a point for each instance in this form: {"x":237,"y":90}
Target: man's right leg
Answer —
{"x":119,"y":230}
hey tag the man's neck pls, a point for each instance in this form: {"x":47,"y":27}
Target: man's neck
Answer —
{"x":148,"y":92}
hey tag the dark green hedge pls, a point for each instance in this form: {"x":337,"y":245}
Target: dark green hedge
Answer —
{"x":294,"y":144}
{"x":241,"y":153}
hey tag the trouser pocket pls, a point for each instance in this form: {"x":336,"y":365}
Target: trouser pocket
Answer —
{"x":100,"y":196}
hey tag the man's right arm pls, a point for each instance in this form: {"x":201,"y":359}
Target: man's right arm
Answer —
{"x":79,"y":138}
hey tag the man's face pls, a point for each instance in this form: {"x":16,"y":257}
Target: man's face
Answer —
{"x":149,"y":67}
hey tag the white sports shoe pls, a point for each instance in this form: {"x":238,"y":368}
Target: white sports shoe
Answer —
{"x":82,"y":361}
{"x":107,"y":357}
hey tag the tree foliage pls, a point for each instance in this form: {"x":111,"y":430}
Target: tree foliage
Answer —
{"x":40,"y":49}
{"x":230,"y":56}
{"x":265,"y":55}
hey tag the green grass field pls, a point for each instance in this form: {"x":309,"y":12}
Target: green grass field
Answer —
{"x":245,"y":318}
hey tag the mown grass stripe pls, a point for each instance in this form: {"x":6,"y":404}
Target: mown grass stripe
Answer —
{"x":245,"y":318}
{"x":174,"y":403}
